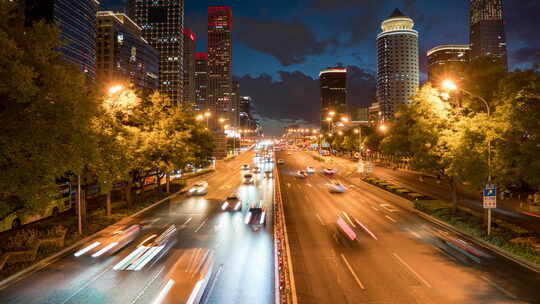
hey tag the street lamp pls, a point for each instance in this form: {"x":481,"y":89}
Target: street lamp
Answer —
{"x":199,"y":117}
{"x":207,"y":115}
{"x":449,"y":85}
{"x":331,"y":113}
{"x":383,"y":128}
{"x":340,"y":133}
{"x":115,"y":89}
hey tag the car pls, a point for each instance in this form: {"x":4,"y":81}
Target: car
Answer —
{"x":256,"y":217}
{"x":245,"y":167}
{"x":346,"y":229}
{"x":200,"y":188}
{"x":110,"y":244}
{"x":149,"y":250}
{"x":301,"y":174}
{"x":256,"y":170}
{"x":247,"y":179}
{"x":280,"y":162}
{"x":329,"y":171}
{"x":310,"y":170}
{"x":232,"y":203}
{"x":336,"y":187}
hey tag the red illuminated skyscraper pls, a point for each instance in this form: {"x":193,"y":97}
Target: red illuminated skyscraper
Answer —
{"x":220,"y":61}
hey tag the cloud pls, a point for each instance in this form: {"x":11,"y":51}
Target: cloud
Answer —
{"x":294,"y":96}
{"x":290,"y":43}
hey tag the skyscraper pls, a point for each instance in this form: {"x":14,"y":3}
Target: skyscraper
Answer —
{"x":162,"y":24}
{"x":189,"y":66}
{"x":76,"y":20}
{"x":235,"y":113}
{"x":201,"y":81}
{"x":122,"y":53}
{"x":220,"y":61}
{"x":333,"y":83}
{"x":398,"y":74}
{"x":487,"y":36}
{"x":447,"y":61}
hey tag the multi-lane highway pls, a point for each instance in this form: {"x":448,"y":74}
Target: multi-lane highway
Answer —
{"x":243,"y":258}
{"x":398,"y":257}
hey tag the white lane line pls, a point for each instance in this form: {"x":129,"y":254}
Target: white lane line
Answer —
{"x":188,"y":220}
{"x":147,"y":285}
{"x":411,"y":270}
{"x":352,"y":272}
{"x":86,"y":285}
{"x":393,"y":220}
{"x":218,"y":272}
{"x":389,"y":207}
{"x":320,"y":220}
{"x":374,"y":208}
{"x":309,"y":185}
{"x":499,"y":287}
{"x":366,"y":229}
{"x":201,"y":225}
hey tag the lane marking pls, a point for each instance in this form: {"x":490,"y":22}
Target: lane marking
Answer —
{"x":320,"y":220}
{"x":147,"y":285}
{"x":411,"y":270}
{"x":389,"y":208}
{"x":393,"y":220}
{"x":366,"y":229}
{"x":374,"y":208}
{"x":201,"y":225}
{"x":309,"y":185}
{"x":352,"y":272}
{"x":415,"y":234}
{"x":499,"y":287}
{"x":86,"y":285}
{"x":188,"y":220}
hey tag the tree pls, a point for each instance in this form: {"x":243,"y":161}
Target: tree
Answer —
{"x":46,"y":110}
{"x":517,"y":153}
{"x":441,"y":138}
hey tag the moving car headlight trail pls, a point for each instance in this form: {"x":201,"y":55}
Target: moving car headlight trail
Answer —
{"x":111,"y":244}
{"x":151,"y":248}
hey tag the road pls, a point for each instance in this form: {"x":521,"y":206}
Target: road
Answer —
{"x":243,"y":258}
{"x":398,"y":258}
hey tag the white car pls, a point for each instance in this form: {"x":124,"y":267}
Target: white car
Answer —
{"x":301,"y":174}
{"x":336,"y":187}
{"x":310,"y":170}
{"x":245,"y":167}
{"x":200,"y":188}
{"x":232,"y":203}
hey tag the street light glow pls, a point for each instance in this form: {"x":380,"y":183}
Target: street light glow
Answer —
{"x":383,"y":128}
{"x":356,"y":131}
{"x":449,"y":85}
{"x":340,"y":133}
{"x":199,"y":117}
{"x":344,"y":119}
{"x":328,"y":118}
{"x":331,"y":113}
{"x":207,"y":114}
{"x":115,"y":89}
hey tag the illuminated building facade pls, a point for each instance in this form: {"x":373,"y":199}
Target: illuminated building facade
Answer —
{"x":487,"y":37}
{"x":122,"y":53}
{"x":220,"y":61}
{"x":333,"y":83}
{"x":447,"y":61}
{"x":162,"y":24}
{"x":76,"y":20}
{"x":201,"y":81}
{"x":398,"y":74}
{"x":190,"y":40}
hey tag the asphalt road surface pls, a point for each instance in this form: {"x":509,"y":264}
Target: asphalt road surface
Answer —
{"x":243,"y":258}
{"x":398,"y":256}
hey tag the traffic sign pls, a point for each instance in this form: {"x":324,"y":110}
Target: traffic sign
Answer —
{"x":490,"y":197}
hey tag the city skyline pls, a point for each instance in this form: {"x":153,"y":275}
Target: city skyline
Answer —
{"x":325,"y":34}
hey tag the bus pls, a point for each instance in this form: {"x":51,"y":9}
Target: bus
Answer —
{"x":14,"y":213}
{"x":188,"y":278}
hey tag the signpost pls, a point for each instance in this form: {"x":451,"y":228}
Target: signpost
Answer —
{"x":490,"y":202}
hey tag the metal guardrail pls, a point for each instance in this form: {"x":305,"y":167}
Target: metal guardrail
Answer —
{"x":285,"y":290}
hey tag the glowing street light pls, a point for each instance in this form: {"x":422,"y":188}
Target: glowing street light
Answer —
{"x":199,"y":117}
{"x":340,"y":133}
{"x":328,"y":119}
{"x":344,"y":119}
{"x":449,"y":85}
{"x":115,"y":89}
{"x":331,"y":113}
{"x":383,"y":128}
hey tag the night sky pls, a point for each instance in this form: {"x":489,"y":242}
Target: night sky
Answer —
{"x":279,"y":46}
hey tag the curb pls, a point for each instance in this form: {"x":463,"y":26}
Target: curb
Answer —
{"x":51,"y":259}
{"x":476,"y":240}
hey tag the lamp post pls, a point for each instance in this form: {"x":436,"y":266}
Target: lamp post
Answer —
{"x":359,"y":132}
{"x":451,"y":86}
